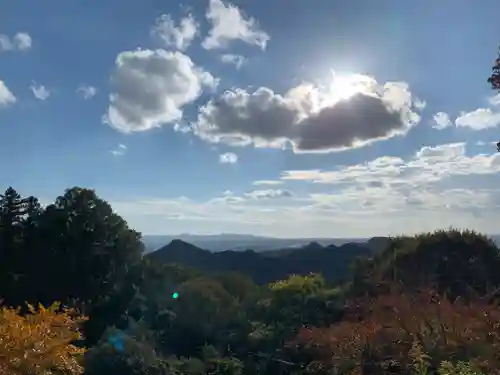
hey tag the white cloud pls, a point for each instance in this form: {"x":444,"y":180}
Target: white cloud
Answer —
{"x":39,"y":91}
{"x":310,"y":118}
{"x":486,"y":143}
{"x":442,"y":121}
{"x":179,"y":36}
{"x":5,"y":43}
{"x":267,"y":182}
{"x":236,"y":60}
{"x":480,"y":119}
{"x":228,"y":158}
{"x":22,"y":41}
{"x":6,"y":96}
{"x":349,"y":212}
{"x":19,"y":42}
{"x":420,"y":104}
{"x":150,"y":88}
{"x":432,"y":189}
{"x":429,"y":165}
{"x":494,"y":100}
{"x":120,"y":150}
{"x":229,"y":24}
{"x":269,"y":194}
{"x":436,"y":187}
{"x":87,"y":92}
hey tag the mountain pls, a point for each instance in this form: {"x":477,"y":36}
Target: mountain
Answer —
{"x":263,"y":267}
{"x":240,"y":242}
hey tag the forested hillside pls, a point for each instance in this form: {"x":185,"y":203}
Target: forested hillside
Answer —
{"x":421,"y":304}
{"x":265,"y":267}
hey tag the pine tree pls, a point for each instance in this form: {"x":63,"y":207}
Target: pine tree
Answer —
{"x":12,"y":212}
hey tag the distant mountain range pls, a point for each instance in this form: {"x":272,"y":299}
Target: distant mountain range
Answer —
{"x":266,"y":266}
{"x":241,"y":242}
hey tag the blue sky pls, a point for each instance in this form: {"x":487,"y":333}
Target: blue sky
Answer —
{"x":324,"y":118}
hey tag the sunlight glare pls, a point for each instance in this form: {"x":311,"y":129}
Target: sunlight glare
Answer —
{"x":345,"y":86}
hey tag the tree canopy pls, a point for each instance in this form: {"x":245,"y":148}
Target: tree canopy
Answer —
{"x":402,"y":308}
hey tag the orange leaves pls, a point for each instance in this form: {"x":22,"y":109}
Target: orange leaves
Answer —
{"x":40,"y":341}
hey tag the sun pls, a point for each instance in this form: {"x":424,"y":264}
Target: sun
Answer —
{"x":344,"y":86}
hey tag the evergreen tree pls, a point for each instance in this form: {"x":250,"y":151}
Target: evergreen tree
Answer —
{"x":13,"y":209}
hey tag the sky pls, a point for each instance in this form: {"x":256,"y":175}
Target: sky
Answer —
{"x":283,"y":118}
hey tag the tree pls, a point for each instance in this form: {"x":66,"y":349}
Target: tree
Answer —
{"x":124,"y":355}
{"x":40,"y":342}
{"x":85,"y":251}
{"x":298,"y":301}
{"x":204,"y":313}
{"x":13,"y":257}
{"x":90,"y":246}
{"x":494,"y":81}
{"x":455,"y":263}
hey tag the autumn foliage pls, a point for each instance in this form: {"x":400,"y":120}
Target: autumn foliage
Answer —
{"x":40,"y":342}
{"x":398,"y":332}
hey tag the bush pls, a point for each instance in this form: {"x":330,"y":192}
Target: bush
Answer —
{"x":41,"y":341}
{"x":394,"y":331}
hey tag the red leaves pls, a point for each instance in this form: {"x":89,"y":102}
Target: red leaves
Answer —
{"x":389,"y":327}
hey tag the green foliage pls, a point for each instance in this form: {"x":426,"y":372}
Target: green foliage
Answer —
{"x":79,"y":251}
{"x":459,"y":368}
{"x":266,"y":267}
{"x":137,"y":358}
{"x":494,"y":78}
{"x":458,"y":263}
{"x":204,"y":313}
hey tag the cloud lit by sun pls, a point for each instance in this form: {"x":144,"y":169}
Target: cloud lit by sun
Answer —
{"x":312,"y":98}
{"x":344,"y":86}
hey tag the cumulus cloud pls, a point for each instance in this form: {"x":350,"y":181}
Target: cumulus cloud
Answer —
{"x":235,"y":60}
{"x":441,"y":121}
{"x":6,"y":96}
{"x":39,"y":91}
{"x":228,"y":158}
{"x":120,"y":150}
{"x":19,"y":42}
{"x":87,"y":92}
{"x":228,"y":24}
{"x":150,"y":88}
{"x":179,"y":36}
{"x":310,"y":118}
{"x":479,"y":119}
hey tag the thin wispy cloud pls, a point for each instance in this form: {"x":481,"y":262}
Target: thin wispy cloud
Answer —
{"x":39,"y":91}
{"x":86,"y":91}
{"x":120,"y":150}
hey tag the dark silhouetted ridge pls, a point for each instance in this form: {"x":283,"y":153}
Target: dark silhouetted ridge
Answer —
{"x":332,"y":261}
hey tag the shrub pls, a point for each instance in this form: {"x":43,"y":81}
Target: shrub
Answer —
{"x":394,"y":331}
{"x":41,"y":341}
